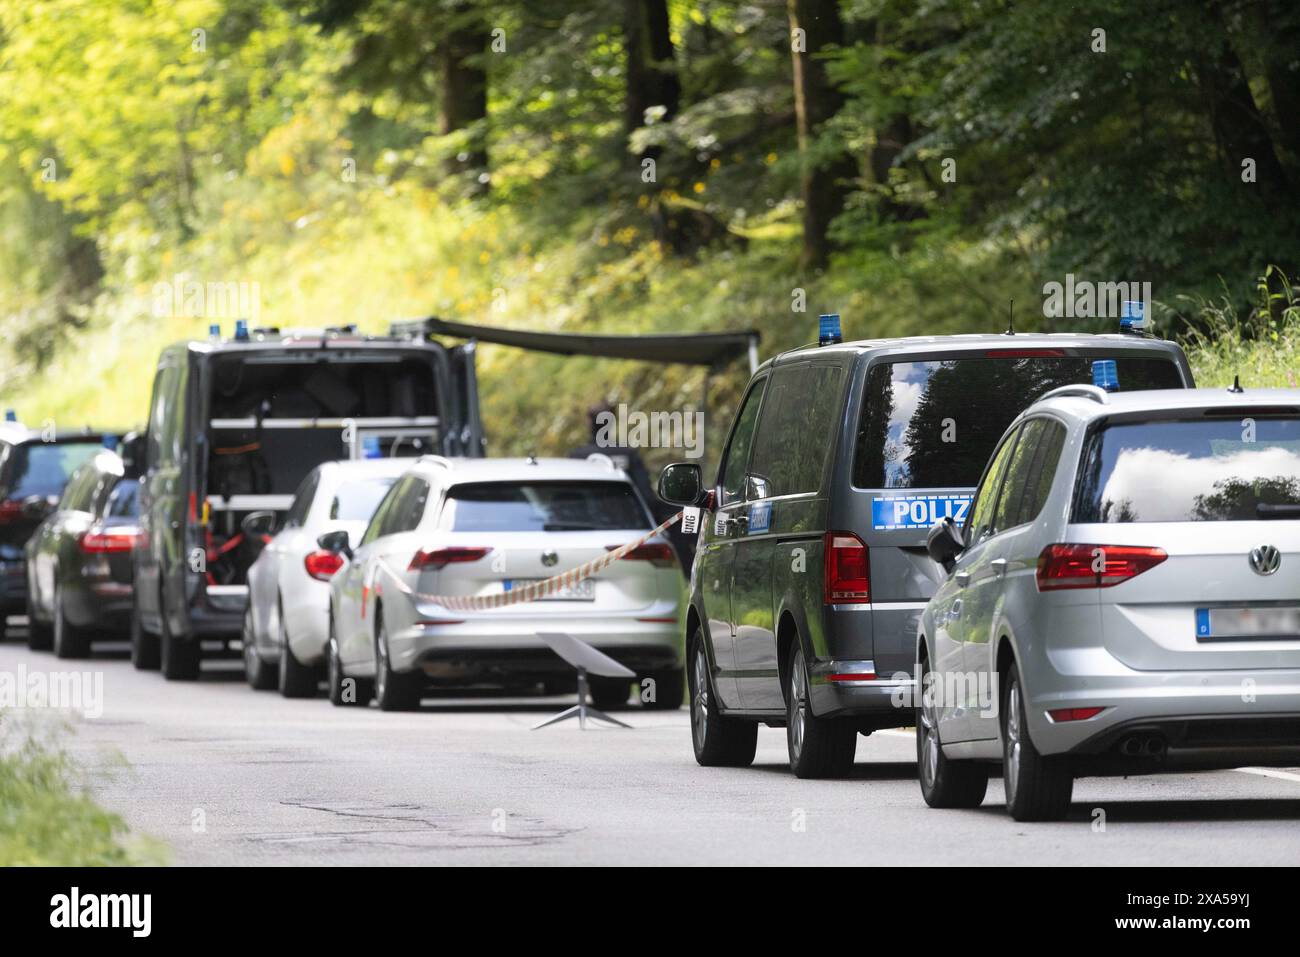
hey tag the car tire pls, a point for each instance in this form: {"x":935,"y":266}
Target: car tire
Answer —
{"x":258,"y":672}
{"x":68,"y":640}
{"x":818,"y":747}
{"x":670,"y":689}
{"x":719,"y":741}
{"x":146,"y":655}
{"x":356,"y":695}
{"x":178,"y":659}
{"x":394,"y":690}
{"x":40,"y":636}
{"x":1038,"y":786}
{"x":296,"y":679}
{"x":945,"y":783}
{"x":608,"y":694}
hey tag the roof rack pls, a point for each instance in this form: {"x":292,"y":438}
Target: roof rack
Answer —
{"x":1080,"y":391}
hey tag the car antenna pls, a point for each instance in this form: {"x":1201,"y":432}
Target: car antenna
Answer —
{"x":1236,"y":385}
{"x":1011,"y":318}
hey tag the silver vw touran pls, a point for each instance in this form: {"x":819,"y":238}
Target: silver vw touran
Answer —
{"x":1122,"y":598}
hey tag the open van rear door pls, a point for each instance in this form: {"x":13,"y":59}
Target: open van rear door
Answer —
{"x":464,"y":382}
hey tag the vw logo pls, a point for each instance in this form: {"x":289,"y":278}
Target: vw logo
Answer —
{"x":1265,"y":559}
{"x":550,"y":559}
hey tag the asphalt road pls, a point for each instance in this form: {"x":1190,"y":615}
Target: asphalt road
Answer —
{"x":227,"y":776}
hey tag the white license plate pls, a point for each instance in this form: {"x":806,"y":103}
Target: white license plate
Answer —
{"x":584,"y":590}
{"x":1225,"y":624}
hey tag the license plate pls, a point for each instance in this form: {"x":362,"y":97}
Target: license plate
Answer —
{"x":584,"y":590}
{"x":1227,"y":624}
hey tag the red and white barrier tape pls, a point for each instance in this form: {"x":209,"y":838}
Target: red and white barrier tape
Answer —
{"x":534,"y":590}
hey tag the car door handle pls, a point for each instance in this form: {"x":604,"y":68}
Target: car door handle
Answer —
{"x":962,"y":579}
{"x":999,"y":566}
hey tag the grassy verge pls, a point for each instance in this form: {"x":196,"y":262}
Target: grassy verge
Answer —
{"x":48,"y":819}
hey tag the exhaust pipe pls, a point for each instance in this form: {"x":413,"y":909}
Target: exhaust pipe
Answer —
{"x":1131,"y":746}
{"x":1154,"y":746}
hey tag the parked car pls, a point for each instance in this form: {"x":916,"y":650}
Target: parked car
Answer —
{"x":811,"y":572}
{"x":459,"y":527}
{"x":286,"y":627}
{"x":1121,"y":598}
{"x":79,"y":561}
{"x":34,"y":468}
{"x":234,"y":427}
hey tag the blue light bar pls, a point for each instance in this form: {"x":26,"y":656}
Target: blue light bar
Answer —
{"x":828,"y":329}
{"x":370,"y":447}
{"x":241,"y":330}
{"x":11,"y":415}
{"x":1105,"y":375}
{"x":1134,"y":316}
{"x":214,"y":330}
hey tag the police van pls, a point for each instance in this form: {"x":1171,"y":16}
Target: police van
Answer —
{"x":812,"y":572}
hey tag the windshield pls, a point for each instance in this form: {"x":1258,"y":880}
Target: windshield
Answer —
{"x":542,"y":507}
{"x":935,"y":424}
{"x":1228,"y":469}
{"x":124,"y":500}
{"x":43,"y":468}
{"x":357,"y":501}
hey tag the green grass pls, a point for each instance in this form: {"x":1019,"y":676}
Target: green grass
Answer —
{"x":48,"y":819}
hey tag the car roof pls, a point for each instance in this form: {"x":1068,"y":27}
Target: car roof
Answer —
{"x":1087,"y":402}
{"x":456,"y":471}
{"x":291,"y":339}
{"x":971,"y":342}
{"x":367,"y":468}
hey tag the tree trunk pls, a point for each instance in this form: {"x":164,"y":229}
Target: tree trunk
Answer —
{"x":463,"y":84}
{"x":651,"y":68}
{"x":814,"y":26}
{"x":1240,"y":130}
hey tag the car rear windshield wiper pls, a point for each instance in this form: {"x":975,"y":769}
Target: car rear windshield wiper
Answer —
{"x":1265,"y":510}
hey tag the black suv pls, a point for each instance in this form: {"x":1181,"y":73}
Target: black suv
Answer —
{"x":34,"y":468}
{"x":812,"y":572}
{"x":234,"y":427}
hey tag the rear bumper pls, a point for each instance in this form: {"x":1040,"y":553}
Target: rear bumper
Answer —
{"x":509,"y":646}
{"x":103,"y":606}
{"x":1200,"y":719}
{"x":885,"y":701}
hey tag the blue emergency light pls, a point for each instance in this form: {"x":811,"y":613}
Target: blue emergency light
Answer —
{"x":370,"y":447}
{"x":1105,"y":375}
{"x":1133,"y":318}
{"x":110,"y":442}
{"x":214,"y":331}
{"x":11,"y":415}
{"x":828,"y":329}
{"x":241,"y":330}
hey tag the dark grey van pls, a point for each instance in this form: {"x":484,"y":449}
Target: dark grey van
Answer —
{"x":235,"y":424}
{"x":812,"y":571}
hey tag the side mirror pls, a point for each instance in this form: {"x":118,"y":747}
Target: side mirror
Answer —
{"x":336,"y":542}
{"x":255,"y":525}
{"x":944,"y":543}
{"x":682,"y":484}
{"x":757,"y":486}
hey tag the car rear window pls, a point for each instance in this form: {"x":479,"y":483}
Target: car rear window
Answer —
{"x":542,"y":507}
{"x":934,"y":424}
{"x":356,"y":501}
{"x":124,"y":500}
{"x":43,"y":468}
{"x":1218,"y":469}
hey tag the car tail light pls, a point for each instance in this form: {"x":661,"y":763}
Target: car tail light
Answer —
{"x":843,"y":677}
{"x":321,"y":565}
{"x":10,"y":511}
{"x":659,"y":553}
{"x":442,"y":557}
{"x":1094,"y":566}
{"x":847,"y":570}
{"x":1074,"y":714}
{"x":109,"y":541}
